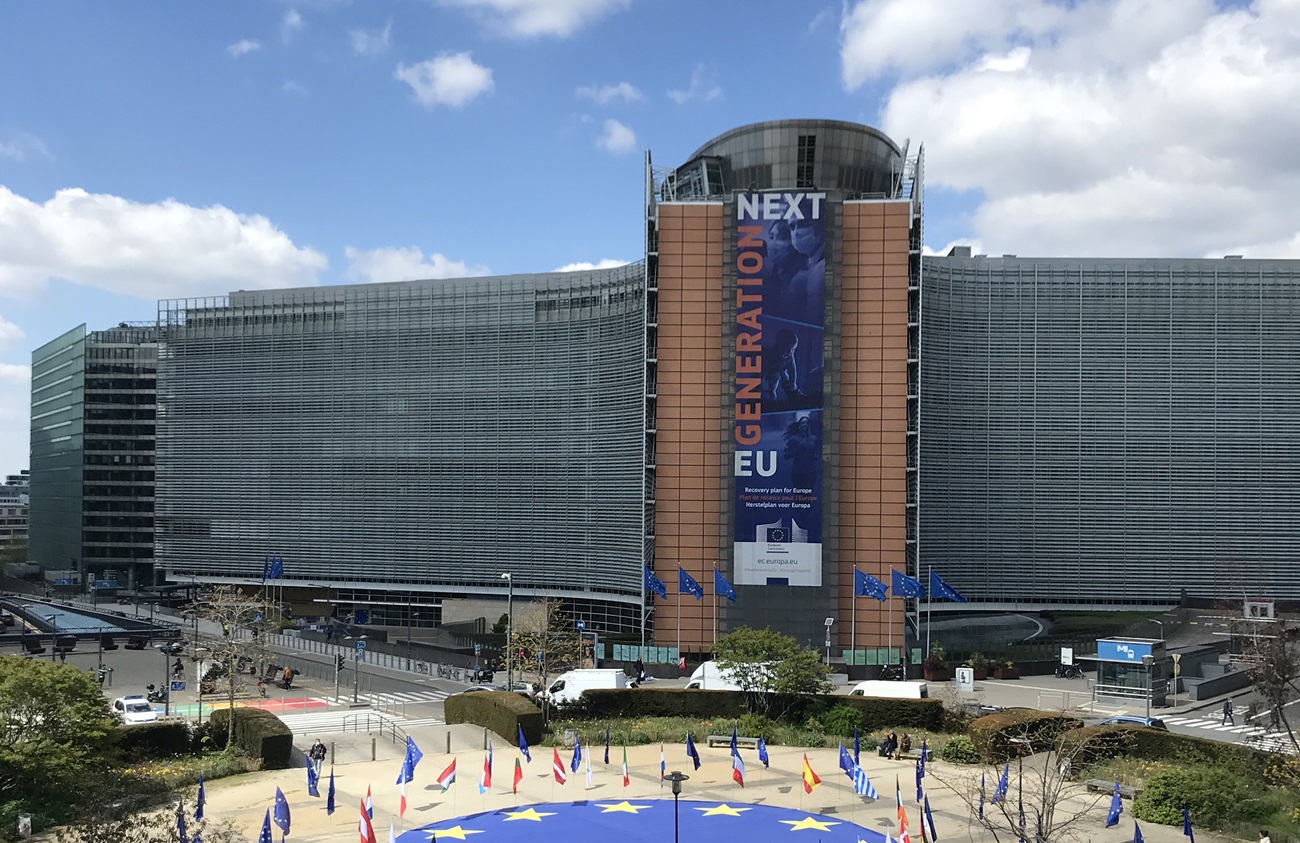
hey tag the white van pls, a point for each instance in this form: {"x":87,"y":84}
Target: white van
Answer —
{"x":570,"y":684}
{"x":913,"y":690}
{"x":709,"y":677}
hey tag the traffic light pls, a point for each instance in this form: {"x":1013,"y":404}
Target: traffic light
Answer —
{"x":339,"y":661}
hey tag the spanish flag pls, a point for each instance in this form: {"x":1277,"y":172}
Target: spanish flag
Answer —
{"x":810,"y":779}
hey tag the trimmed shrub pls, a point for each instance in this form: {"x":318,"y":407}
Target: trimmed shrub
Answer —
{"x":960,"y":750}
{"x":756,"y":726}
{"x":874,"y":713}
{"x":160,"y":739}
{"x":1092,"y":744}
{"x":1214,"y":796}
{"x":502,"y":712}
{"x":992,"y":733}
{"x":258,"y":733}
{"x":841,"y":720}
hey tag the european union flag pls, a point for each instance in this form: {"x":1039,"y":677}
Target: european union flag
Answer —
{"x":723,"y":588}
{"x":694,"y":753}
{"x":653,"y":584}
{"x":1116,"y":808}
{"x":329,"y":796}
{"x":857,"y":748}
{"x":523,"y":745}
{"x":577,"y":754}
{"x":865,"y":585}
{"x":1187,"y":826}
{"x":312,"y":790}
{"x":1000,"y":792}
{"x":905,"y":586}
{"x":846,"y":762}
{"x":686,"y":584}
{"x":281,"y":811}
{"x":688,"y":737}
{"x":940,"y":589}
{"x":1137,"y":834}
{"x":181,"y":834}
{"x":265,"y":836}
{"x":199,"y":802}
{"x":762,"y":753}
{"x":277,"y":567}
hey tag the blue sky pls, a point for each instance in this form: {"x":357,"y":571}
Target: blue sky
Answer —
{"x":153,"y":149}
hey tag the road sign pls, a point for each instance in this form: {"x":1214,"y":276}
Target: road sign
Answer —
{"x":581,"y":626}
{"x":478,"y":650}
{"x":257,"y":617}
{"x":361,"y":645}
{"x":177,"y":685}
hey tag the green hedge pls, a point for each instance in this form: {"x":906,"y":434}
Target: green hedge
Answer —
{"x":992,"y":733}
{"x":257,"y":733}
{"x":874,"y":713}
{"x":159,"y":739}
{"x":502,"y":712}
{"x":1097,"y":743}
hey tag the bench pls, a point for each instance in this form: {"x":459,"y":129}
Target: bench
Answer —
{"x":137,"y":642}
{"x":107,"y":642}
{"x":715,"y":740}
{"x":33,"y":648}
{"x":1126,"y":791}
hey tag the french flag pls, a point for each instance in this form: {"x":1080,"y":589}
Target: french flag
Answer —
{"x":738,"y":769}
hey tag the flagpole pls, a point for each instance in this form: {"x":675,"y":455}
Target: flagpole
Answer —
{"x":853,"y":622}
{"x":678,"y":612}
{"x":928,"y":600}
{"x":715,"y":605}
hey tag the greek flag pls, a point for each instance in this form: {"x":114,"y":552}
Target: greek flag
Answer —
{"x":862,"y":785}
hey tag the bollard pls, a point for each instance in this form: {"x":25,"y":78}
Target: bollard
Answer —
{"x":485,"y":739}
{"x":449,"y":742}
{"x":331,"y":753}
{"x":372,"y":748}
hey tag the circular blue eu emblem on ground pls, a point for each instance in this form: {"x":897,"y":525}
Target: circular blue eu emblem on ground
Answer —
{"x":643,"y":821}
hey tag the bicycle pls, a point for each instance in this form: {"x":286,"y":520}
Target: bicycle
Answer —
{"x":1069,"y":671}
{"x":422,"y":667}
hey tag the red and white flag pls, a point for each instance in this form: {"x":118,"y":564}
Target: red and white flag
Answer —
{"x":557,"y":767}
{"x":366,"y":828}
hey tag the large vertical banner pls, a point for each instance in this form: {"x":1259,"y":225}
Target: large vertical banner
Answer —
{"x":780,"y":325}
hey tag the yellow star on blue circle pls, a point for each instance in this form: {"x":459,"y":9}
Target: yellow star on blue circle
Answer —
{"x":808,"y":823}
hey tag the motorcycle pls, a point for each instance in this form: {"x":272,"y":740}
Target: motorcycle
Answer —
{"x":157,"y":695}
{"x":893,"y":672}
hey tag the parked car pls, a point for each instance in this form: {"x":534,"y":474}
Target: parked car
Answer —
{"x":6,"y":617}
{"x":472,"y":688}
{"x":528,"y":689}
{"x":1135,"y":720}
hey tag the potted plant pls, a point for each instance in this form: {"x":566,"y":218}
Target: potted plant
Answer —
{"x":978,"y":663}
{"x":1006,"y":670}
{"x":934,"y":668}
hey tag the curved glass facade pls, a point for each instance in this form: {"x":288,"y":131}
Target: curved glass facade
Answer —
{"x":792,"y":154}
{"x":429,"y":433}
{"x":1111,"y":431}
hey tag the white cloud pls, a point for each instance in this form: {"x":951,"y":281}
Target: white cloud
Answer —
{"x":292,"y":86}
{"x":155,"y":250}
{"x":371,"y":42}
{"x":290,"y":25}
{"x":605,"y":263}
{"x":15,"y":373}
{"x":449,"y":79}
{"x":605,"y":94}
{"x":976,"y":248}
{"x":704,"y":86}
{"x":616,"y":138}
{"x":243,"y":47}
{"x":1100,"y":127}
{"x":405,"y":264}
{"x":20,"y":145}
{"x":9,"y":333}
{"x":531,"y":18}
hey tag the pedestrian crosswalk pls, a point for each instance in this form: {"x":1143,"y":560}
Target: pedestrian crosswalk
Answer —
{"x":1215,"y":724}
{"x":409,"y":697}
{"x":342,"y":720}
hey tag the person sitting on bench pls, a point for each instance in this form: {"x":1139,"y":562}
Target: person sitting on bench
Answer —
{"x":904,"y":746}
{"x":888,"y":745}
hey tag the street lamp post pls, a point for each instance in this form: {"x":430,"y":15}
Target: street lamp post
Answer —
{"x":54,"y":635}
{"x":510,"y":631}
{"x":165,"y":687}
{"x":1162,"y":628}
{"x":829,"y":623}
{"x":1147,"y":662}
{"x":676,"y":778}
{"x":408,"y":633}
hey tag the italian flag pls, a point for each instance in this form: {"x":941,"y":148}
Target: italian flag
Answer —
{"x":626,"y":780}
{"x":448,"y":776}
{"x":519,"y":775}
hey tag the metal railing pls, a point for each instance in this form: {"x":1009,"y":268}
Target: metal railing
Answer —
{"x":373,"y":723}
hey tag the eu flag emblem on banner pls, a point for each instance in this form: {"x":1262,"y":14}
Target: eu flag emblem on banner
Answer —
{"x":778,"y":534}
{"x":654,"y":585}
{"x":686,"y":584}
{"x":940,"y":589}
{"x":722,"y":588}
{"x":865,"y":585}
{"x":905,"y":586}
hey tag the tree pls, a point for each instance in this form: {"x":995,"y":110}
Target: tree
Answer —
{"x":545,"y":642}
{"x":1274,"y":671}
{"x":502,"y":624}
{"x":1041,"y":802}
{"x":239,"y":616}
{"x":112,"y":811}
{"x":764,"y":663}
{"x":54,"y":726}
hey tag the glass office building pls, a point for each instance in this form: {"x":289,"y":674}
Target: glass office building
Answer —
{"x":409,"y":438}
{"x":1111,"y":430}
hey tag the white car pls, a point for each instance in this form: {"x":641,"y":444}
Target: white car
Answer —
{"x":134,"y":709}
{"x":528,"y":689}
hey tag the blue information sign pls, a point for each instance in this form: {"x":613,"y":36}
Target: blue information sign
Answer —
{"x":177,"y":685}
{"x":1122,"y":651}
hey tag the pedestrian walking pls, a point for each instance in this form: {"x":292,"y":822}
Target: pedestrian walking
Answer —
{"x":1228,"y":719}
{"x":317,"y":755}
{"x":288,"y":677}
